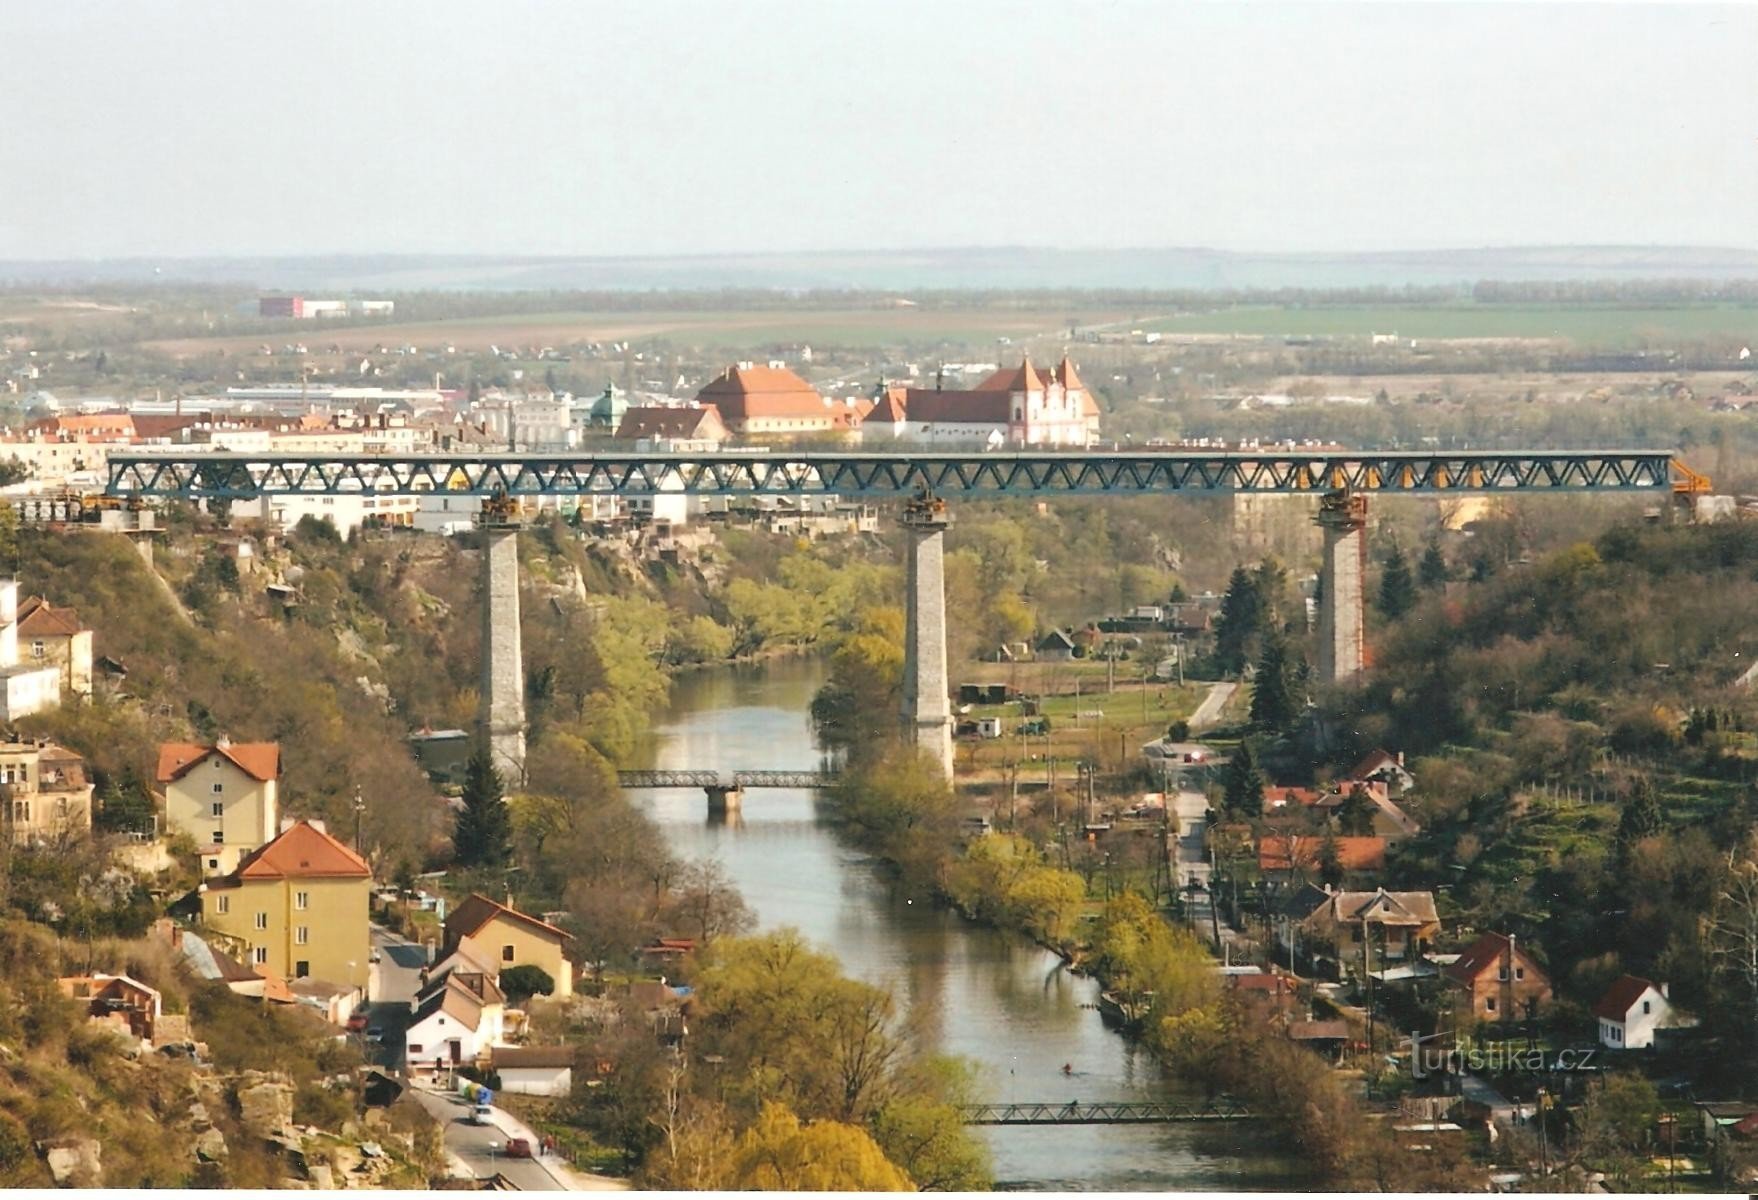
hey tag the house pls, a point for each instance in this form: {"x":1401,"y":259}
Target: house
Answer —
{"x":26,"y":687}
{"x":1055,"y":646}
{"x":1264,"y":994}
{"x":1630,"y":1012}
{"x":506,"y":937}
{"x":458,"y":1016}
{"x":1495,"y":979}
{"x":53,"y":636}
{"x":674,"y":427}
{"x":756,"y":401}
{"x":1721,"y":1117}
{"x":534,"y":1070}
{"x":1022,"y":406}
{"x":299,"y":904}
{"x":125,"y":1004}
{"x":1388,"y":820}
{"x":48,"y":795}
{"x":1281,"y":796}
{"x":335,"y":1002}
{"x":1383,"y":767}
{"x":1286,"y":859}
{"x":224,"y":796}
{"x":1372,"y":926}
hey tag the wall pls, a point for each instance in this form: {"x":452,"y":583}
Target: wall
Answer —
{"x":249,"y":811}
{"x":530,"y":947}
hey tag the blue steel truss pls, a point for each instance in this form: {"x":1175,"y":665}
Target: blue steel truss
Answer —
{"x":951,"y":476}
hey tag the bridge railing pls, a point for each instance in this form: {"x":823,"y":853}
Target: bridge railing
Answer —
{"x":724,"y":779}
{"x":1124,"y":1112}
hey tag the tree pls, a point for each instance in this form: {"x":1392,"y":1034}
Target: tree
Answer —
{"x":1241,"y":618}
{"x":1432,"y":570}
{"x":1397,"y":589}
{"x":1272,"y":699}
{"x":1355,"y":814}
{"x":778,"y":1153}
{"x":483,"y":834}
{"x":124,"y":807}
{"x":1642,"y":816}
{"x":526,"y":980}
{"x":1242,"y":796}
{"x":707,"y":902}
{"x":1330,"y":861}
{"x":1733,"y":940}
{"x":926,"y":1138}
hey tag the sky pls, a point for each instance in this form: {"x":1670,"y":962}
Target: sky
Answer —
{"x":186,"y":128}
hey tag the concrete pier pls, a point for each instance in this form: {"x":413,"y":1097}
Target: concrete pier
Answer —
{"x":1342,"y":572}
{"x":927,"y":704}
{"x":724,"y":800}
{"x":502,"y":714}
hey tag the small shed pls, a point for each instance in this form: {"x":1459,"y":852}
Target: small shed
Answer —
{"x":535,"y":1070}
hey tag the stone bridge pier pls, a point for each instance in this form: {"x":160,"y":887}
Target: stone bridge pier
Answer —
{"x":501,"y":718}
{"x":1342,"y":575}
{"x":927,"y":704}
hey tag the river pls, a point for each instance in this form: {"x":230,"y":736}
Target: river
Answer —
{"x":991,"y":997}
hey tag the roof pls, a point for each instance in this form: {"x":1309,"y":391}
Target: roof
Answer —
{"x":1054,"y":640}
{"x":468,"y":919}
{"x":1380,"y":907}
{"x":1353,"y":853}
{"x":927,"y":406}
{"x":1275,"y":795}
{"x":38,"y":618}
{"x":752,"y":391}
{"x":1621,"y":997}
{"x":532,"y":1056}
{"x":302,"y":851}
{"x":1375,"y":762}
{"x":455,"y":1000}
{"x":1023,"y":378}
{"x":259,"y":760}
{"x":672,"y":421}
{"x":1483,"y":954}
{"x":319,"y":989}
{"x":1319,"y":1031}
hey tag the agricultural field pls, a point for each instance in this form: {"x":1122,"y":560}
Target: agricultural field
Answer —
{"x":1588,"y":325}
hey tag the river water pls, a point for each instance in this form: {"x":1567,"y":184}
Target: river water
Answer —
{"x":991,"y":997}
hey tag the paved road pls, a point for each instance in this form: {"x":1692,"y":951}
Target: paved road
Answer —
{"x":1209,"y":711}
{"x":396,"y":977}
{"x":482,"y":1149}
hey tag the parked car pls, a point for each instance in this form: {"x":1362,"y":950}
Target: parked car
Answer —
{"x":518,"y":1148}
{"x":481,"y":1114}
{"x":375,"y":1033}
{"x":357,"y":1022}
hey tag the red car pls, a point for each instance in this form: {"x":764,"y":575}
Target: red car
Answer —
{"x":518,"y":1148}
{"x":357,"y":1022}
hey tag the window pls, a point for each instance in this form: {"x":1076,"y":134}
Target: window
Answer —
{"x":219,"y":836}
{"x":219,"y":809}
{"x":1502,"y":975}
{"x":301,"y":969}
{"x":37,"y":649}
{"x":222,"y":904}
{"x":302,"y":900}
{"x":260,"y":956}
{"x":414,"y":1049}
{"x":506,"y":954}
{"x":213,"y":864}
{"x":1647,"y":1006}
{"x":302,"y":936}
{"x":1489,"y":1004}
{"x":1519,"y":972}
{"x":21,"y":811}
{"x":219,"y":789}
{"x":262,"y":920}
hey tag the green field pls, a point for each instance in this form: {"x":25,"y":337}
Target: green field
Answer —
{"x":1598,"y":325}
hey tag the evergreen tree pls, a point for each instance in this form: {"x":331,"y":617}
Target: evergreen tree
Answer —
{"x":1242,"y":796}
{"x":124,"y":806}
{"x":1272,"y":697}
{"x":1355,"y":814}
{"x":483,"y":834}
{"x":1642,"y":816}
{"x":1330,"y":861}
{"x":1240,"y":619}
{"x":1271,"y":578}
{"x":1432,"y":570}
{"x":1397,"y":588}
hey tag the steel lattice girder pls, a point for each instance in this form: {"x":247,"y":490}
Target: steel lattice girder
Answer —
{"x":724,"y":779}
{"x":244,"y":476}
{"x":1115,"y":1113}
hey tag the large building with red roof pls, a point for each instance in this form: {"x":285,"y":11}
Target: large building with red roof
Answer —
{"x":770,"y":401}
{"x":1022,"y":406}
{"x":224,"y":797}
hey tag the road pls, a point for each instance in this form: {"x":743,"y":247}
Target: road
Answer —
{"x":396,"y":977}
{"x":1209,"y":711}
{"x":483,"y":1149}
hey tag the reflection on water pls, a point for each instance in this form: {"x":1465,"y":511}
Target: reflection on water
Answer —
{"x":995,"y":999}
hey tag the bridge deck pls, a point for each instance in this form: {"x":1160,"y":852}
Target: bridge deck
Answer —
{"x":1142,"y":1112}
{"x":950,"y":475}
{"x":725,"y":779}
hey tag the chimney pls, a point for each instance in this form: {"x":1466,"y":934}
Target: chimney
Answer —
{"x":1665,"y":992}
{"x":1400,"y":758}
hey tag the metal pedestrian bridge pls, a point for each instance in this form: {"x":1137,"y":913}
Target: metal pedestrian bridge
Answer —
{"x":219,"y":476}
{"x":725,"y":780}
{"x":1129,"y":1112}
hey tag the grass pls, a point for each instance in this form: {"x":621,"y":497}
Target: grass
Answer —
{"x":1587,"y":324}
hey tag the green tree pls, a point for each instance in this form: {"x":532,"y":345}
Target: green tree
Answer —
{"x":1241,"y":618}
{"x":1242,"y":795}
{"x":1272,"y":695}
{"x":483,"y":834}
{"x":1432,"y":570}
{"x":1397,"y":588}
{"x":1642,"y":816}
{"x":124,"y":807}
{"x":1355,"y":814}
{"x":1330,"y":861}
{"x":779,"y":1154}
{"x":526,"y":980}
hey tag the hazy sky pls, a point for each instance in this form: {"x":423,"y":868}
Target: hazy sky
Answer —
{"x":640,"y":127}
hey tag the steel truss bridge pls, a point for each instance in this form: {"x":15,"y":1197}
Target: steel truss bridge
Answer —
{"x":1132,"y":1112}
{"x":725,"y":780}
{"x":183,"y":475}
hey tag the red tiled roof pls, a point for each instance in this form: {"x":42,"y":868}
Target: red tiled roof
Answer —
{"x":1483,"y":954}
{"x":1275,"y":796}
{"x":1354,"y":853}
{"x":741,"y":392}
{"x":38,"y":618}
{"x":659,"y":420}
{"x":1023,"y":378}
{"x":927,"y":406}
{"x":469,"y":917}
{"x":1621,"y":997}
{"x":1373,"y":762}
{"x":259,"y":760}
{"x":304,"y":851}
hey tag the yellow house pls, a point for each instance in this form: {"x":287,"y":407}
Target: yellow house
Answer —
{"x":299,"y":904}
{"x":223,"y":796}
{"x":50,"y":636}
{"x":506,"y":937}
{"x":45,"y":794}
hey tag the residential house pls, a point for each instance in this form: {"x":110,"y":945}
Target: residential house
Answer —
{"x":335,"y":1002}
{"x":1300,"y":859}
{"x":1266,"y":994}
{"x":534,"y":1070}
{"x":300,"y":904}
{"x":1388,"y":819}
{"x":1385,"y":768}
{"x":1368,"y":927}
{"x":47,"y":795}
{"x":458,"y":1016}
{"x":125,"y":1004}
{"x":205,"y":961}
{"x":757,"y":401}
{"x":506,"y":937}
{"x":53,"y":636}
{"x":225,"y":797}
{"x":1630,"y":1012}
{"x":26,"y":687}
{"x":1022,"y":406}
{"x":1055,"y":646}
{"x":1495,"y":979}
{"x":674,"y":427}
{"x":1282,"y":797}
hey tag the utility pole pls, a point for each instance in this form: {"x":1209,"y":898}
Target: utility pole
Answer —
{"x":359,"y":812}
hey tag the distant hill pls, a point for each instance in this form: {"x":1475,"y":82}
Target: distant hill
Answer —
{"x":999,"y":268}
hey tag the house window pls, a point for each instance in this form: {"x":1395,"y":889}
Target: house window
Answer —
{"x":21,"y":811}
{"x":1502,"y":975}
{"x":260,"y":956}
{"x":1647,"y":1006}
{"x":301,"y":969}
{"x":302,"y":936}
{"x":213,"y":864}
{"x":222,"y":904}
{"x":219,"y":836}
{"x":37,"y":649}
{"x":506,"y":954}
{"x":219,"y":809}
{"x":1489,"y":1004}
{"x":262,"y":920}
{"x":301,"y":900}
{"x":219,"y":789}
{"x":1519,"y":972}
{"x":414,"y":1049}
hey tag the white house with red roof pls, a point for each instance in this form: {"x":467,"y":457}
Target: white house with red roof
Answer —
{"x":1630,"y":1012}
{"x":1019,"y":407}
